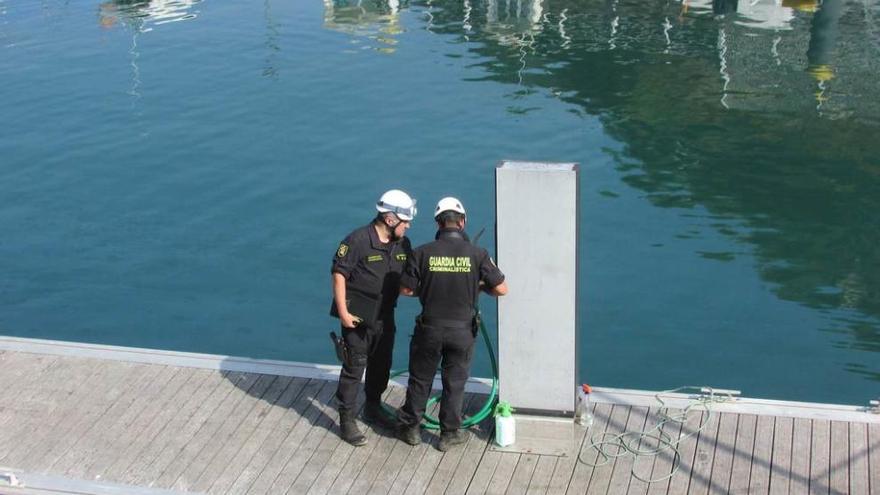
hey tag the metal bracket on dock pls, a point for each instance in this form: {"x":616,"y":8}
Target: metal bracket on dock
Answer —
{"x":719,"y":392}
{"x":874,"y":406}
{"x":8,"y":479}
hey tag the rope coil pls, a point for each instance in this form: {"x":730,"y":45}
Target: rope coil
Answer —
{"x":610,"y":446}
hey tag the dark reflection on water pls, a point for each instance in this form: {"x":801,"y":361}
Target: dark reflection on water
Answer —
{"x":766,"y":115}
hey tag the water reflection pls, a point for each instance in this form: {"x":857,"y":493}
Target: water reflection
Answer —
{"x":273,"y":49}
{"x":377,"y":20}
{"x":719,"y":112}
{"x":144,"y":13}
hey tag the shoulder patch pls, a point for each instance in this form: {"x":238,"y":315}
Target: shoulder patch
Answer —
{"x":342,"y":251}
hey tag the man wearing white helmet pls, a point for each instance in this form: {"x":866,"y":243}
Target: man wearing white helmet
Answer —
{"x":365,"y":274}
{"x":447,"y":275}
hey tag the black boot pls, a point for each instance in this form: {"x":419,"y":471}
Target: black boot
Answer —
{"x":452,"y":438}
{"x":349,"y":431}
{"x":375,"y":415}
{"x":409,"y":434}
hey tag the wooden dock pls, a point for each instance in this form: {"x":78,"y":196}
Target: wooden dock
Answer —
{"x":76,"y":422}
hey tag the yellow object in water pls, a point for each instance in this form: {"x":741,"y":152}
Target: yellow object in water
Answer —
{"x":821,"y":72}
{"x":802,"y":5}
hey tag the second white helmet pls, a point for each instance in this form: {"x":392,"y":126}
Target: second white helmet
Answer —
{"x":399,"y":203}
{"x":448,"y":204}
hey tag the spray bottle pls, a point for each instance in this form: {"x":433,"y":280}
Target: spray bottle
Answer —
{"x":505,"y":426}
{"x":582,"y":414}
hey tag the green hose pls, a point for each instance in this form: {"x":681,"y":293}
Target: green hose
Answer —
{"x":432,"y":423}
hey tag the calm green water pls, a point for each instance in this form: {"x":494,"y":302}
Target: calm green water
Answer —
{"x":177,"y":175}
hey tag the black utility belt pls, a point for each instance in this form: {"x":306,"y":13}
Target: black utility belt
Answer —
{"x":445,"y":322}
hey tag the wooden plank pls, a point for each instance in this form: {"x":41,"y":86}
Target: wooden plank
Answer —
{"x":800,"y":456}
{"x":525,"y":467}
{"x":873,"y":458}
{"x":383,"y":445}
{"x":86,"y":448}
{"x":759,"y":482}
{"x":666,"y":459}
{"x":155,"y":456}
{"x":858,"y":457}
{"x":780,"y":468}
{"x":431,"y":458}
{"x":91,"y":414}
{"x":271,"y":425}
{"x":190,"y":476}
{"x":503,"y":473}
{"x":705,"y":455}
{"x":20,"y":372}
{"x":687,"y":447}
{"x":222,"y":465}
{"x":116,"y":436}
{"x":450,"y":460}
{"x":299,"y":393}
{"x":344,"y":457}
{"x":236,"y":386}
{"x":565,"y":466}
{"x":308,"y":406}
{"x":484,"y":472}
{"x":425,"y":469}
{"x":646,"y":453}
{"x":476,"y":448}
{"x":820,"y":457}
{"x":40,"y":431}
{"x":540,"y":482}
{"x":144,"y":426}
{"x":19,"y":367}
{"x":27,"y":376}
{"x":742,"y":456}
{"x":400,"y":451}
{"x":839,"y":457}
{"x":588,"y":456}
{"x":45,"y":390}
{"x":621,"y":474}
{"x":397,"y":460}
{"x":331,"y":441}
{"x":413,"y":461}
{"x":725,"y":447}
{"x":601,"y":476}
{"x":357,"y":457}
{"x":179,"y":406}
{"x":451,"y":468}
{"x":322,"y":425}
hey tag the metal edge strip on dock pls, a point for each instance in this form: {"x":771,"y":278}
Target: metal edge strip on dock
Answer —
{"x":16,"y":481}
{"x":811,"y":410}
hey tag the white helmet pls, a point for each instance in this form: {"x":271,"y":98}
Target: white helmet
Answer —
{"x":448,"y":204}
{"x":399,"y":203}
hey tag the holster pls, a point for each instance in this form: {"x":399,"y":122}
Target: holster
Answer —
{"x":342,"y":351}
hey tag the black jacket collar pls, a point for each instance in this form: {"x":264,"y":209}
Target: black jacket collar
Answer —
{"x":451,"y":233}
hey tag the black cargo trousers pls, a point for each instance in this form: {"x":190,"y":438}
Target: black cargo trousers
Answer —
{"x":370,"y":348}
{"x":434,"y":342}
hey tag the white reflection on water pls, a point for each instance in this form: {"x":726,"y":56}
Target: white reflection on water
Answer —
{"x":722,"y":56}
{"x":377,"y":20}
{"x":761,"y":14}
{"x":140,"y":14}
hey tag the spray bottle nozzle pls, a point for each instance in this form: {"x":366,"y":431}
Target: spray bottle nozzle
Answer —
{"x":503,"y":409}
